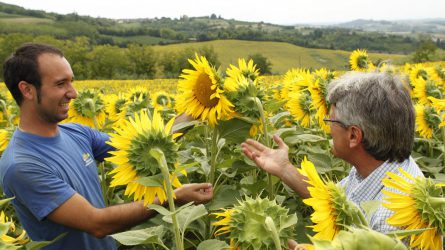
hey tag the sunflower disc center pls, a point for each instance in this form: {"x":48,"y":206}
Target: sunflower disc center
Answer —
{"x":203,"y":91}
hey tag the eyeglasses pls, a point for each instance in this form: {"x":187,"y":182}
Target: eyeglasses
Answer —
{"x":336,"y":121}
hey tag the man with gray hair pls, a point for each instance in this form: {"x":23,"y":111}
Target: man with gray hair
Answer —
{"x":372,"y":123}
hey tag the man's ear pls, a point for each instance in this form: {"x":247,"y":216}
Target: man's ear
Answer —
{"x":355,"y":136}
{"x":27,"y":90}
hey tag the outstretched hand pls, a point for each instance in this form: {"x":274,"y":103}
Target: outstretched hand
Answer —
{"x":199,"y":193}
{"x":273,"y":161}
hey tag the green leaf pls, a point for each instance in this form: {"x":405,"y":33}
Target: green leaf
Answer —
{"x":303,"y":138}
{"x":370,"y":207}
{"x":4,"y":228}
{"x":8,"y":246}
{"x":225,"y":196}
{"x":3,"y":201}
{"x":160,"y":209}
{"x":151,"y":235}
{"x":212,"y":244}
{"x":190,"y":214}
{"x":183,"y":126}
{"x":151,"y":181}
{"x":278,"y":117}
{"x":234,"y":130}
{"x":273,"y":105}
{"x":34,"y":245}
{"x":403,"y":233}
{"x":183,"y":167}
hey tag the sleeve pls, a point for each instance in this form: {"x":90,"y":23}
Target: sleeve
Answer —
{"x":37,"y":188}
{"x":98,"y":141}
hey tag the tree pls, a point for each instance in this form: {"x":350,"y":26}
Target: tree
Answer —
{"x":424,"y":52}
{"x":141,"y":60}
{"x":262,"y":63}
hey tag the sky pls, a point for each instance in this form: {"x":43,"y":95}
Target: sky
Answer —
{"x":273,"y":11}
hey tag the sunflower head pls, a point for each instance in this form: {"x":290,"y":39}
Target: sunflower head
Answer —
{"x":115,"y":106}
{"x":426,"y":88}
{"x":9,"y":237}
{"x":427,"y":120}
{"x":332,"y":210}
{"x":161,"y":100}
{"x":246,"y":223}
{"x":5,"y":136}
{"x":201,"y":94}
{"x":300,"y":107}
{"x":133,"y":140}
{"x":245,"y":69}
{"x":243,"y":94}
{"x":88,"y":108}
{"x":417,"y":203}
{"x":318,"y":89}
{"x":359,"y":60}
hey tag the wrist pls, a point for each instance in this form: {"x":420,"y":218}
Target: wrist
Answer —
{"x":286,"y":171}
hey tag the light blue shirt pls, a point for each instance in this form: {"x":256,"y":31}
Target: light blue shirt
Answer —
{"x":359,"y":190}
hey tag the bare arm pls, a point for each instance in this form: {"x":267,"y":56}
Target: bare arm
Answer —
{"x":78,"y":213}
{"x":276,"y":162}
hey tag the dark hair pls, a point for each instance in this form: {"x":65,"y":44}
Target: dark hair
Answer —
{"x":381,"y":106}
{"x":23,"y":66}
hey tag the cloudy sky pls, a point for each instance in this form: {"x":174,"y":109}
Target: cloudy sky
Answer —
{"x":273,"y":11}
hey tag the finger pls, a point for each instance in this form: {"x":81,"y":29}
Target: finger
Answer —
{"x":199,"y":186}
{"x":279,"y":141}
{"x":256,"y":145}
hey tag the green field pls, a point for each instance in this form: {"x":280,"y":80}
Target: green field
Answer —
{"x":283,"y":56}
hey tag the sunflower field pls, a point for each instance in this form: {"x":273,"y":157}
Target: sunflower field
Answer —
{"x":250,"y":209}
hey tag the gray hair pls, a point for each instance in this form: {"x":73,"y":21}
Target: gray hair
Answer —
{"x":381,"y":106}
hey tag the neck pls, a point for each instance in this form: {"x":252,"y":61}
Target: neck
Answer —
{"x":365,"y":164}
{"x":37,"y":126}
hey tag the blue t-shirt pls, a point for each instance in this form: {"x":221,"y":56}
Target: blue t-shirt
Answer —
{"x":43,"y":172}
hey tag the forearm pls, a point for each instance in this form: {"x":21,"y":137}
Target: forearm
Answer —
{"x":296,"y":181}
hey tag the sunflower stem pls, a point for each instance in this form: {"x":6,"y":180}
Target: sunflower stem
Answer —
{"x":103,"y":182}
{"x":436,"y":202}
{"x":270,"y":187}
{"x":213,"y":152}
{"x":443,"y":141}
{"x":160,"y":158}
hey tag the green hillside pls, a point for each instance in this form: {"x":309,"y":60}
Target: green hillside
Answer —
{"x":282,"y":55}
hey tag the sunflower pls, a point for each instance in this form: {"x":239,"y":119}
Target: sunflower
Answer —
{"x":246,"y":224}
{"x":138,"y":99}
{"x":359,"y":60}
{"x":87,"y":109}
{"x":294,"y":80}
{"x":201,"y":94}
{"x":133,"y":141}
{"x":318,"y":90}
{"x":161,"y":100}
{"x":300,"y":107}
{"x":332,"y":210}
{"x":247,"y":70}
{"x":417,"y":71}
{"x":6,"y":239}
{"x":425,"y":88}
{"x":115,"y":106}
{"x":427,"y":120}
{"x":417,"y":203}
{"x":439,"y":105}
{"x":438,"y":75}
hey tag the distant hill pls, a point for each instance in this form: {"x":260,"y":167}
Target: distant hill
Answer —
{"x":434,"y":26}
{"x":283,"y":56}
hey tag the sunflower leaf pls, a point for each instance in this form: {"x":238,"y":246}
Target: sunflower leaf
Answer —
{"x":213,"y":244}
{"x":3,"y":201}
{"x":34,"y":245}
{"x":190,"y":214}
{"x":160,"y":209}
{"x":144,"y":236}
{"x":403,"y":233}
{"x":151,"y":181}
